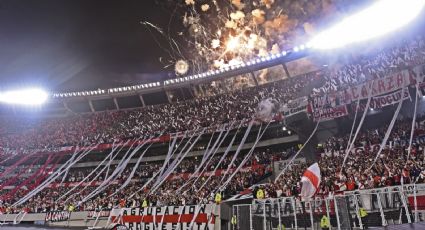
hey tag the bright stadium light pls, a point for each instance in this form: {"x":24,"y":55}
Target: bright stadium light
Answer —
{"x":381,"y":18}
{"x":30,"y":96}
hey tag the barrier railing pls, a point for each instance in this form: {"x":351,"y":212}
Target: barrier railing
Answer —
{"x":352,"y":210}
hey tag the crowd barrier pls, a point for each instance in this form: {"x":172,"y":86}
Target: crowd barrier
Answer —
{"x":384,"y":206}
{"x":200,"y":217}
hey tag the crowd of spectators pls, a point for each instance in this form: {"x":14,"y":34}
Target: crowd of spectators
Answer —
{"x":408,"y":53}
{"x":105,"y":127}
{"x":360,"y":171}
{"x":25,"y":134}
{"x":256,"y":168}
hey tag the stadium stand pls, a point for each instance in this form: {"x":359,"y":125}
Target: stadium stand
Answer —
{"x":32,"y":149}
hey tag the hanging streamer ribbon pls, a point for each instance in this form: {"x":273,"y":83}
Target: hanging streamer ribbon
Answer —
{"x":299,"y":151}
{"x":114,"y":174}
{"x":166,"y":164}
{"x":54,"y":176}
{"x":132,"y":172}
{"x":164,"y":174}
{"x":351,"y":145}
{"x":208,"y":158}
{"x":180,"y":160}
{"x":207,"y":150}
{"x":247,"y":157}
{"x":114,"y":148}
{"x":248,"y":130}
{"x":390,"y":128}
{"x":221,"y":159}
{"x":412,"y":130}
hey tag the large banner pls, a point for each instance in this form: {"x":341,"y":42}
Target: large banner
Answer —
{"x":169,"y":217}
{"x":330,"y":113}
{"x":390,"y":197}
{"x":373,"y":88}
{"x":385,"y":100}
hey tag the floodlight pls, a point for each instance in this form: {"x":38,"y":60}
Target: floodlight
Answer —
{"x":31,"y":96}
{"x":381,"y":18}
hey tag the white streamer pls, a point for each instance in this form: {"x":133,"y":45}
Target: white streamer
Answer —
{"x":53,"y":177}
{"x":299,"y":151}
{"x":390,"y":128}
{"x":238,"y":149}
{"x":208,"y":159}
{"x":247,"y":157}
{"x":114,"y":174}
{"x":132,"y":172}
{"x":89,"y":175}
{"x":107,"y":166}
{"x":413,"y":123}
{"x":167,"y":172}
{"x":207,"y":150}
{"x":181,"y":158}
{"x":221,"y":159}
{"x":351,"y":145}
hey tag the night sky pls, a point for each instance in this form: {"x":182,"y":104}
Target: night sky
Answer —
{"x":80,"y":44}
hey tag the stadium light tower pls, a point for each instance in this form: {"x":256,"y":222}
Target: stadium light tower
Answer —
{"x":31,"y":96}
{"x":380,"y":18}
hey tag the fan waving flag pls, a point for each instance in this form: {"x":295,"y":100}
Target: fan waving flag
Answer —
{"x":310,"y":181}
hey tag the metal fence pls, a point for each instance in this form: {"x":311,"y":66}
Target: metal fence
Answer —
{"x":387,"y":206}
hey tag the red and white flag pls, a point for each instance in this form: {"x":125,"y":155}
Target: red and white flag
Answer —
{"x":310,"y":181}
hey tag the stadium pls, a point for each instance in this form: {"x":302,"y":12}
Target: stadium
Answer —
{"x":262,"y":115}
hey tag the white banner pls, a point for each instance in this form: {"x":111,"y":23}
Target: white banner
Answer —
{"x":295,"y":106}
{"x":330,"y":113}
{"x":385,"y":100}
{"x":280,"y":165}
{"x":390,"y":196}
{"x":380,"y":86}
{"x":169,"y":217}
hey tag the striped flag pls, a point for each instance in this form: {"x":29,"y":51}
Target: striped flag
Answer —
{"x":310,"y":181}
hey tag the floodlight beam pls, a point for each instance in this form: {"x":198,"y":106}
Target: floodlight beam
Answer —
{"x":31,"y":96}
{"x":381,"y":18}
